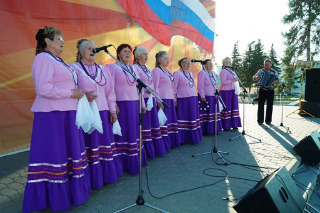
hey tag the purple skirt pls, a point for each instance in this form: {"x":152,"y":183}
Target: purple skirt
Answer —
{"x":207,"y":116}
{"x":127,"y":145}
{"x":230,"y":119}
{"x":151,"y":133}
{"x":169,"y":130}
{"x":58,"y":173}
{"x":105,"y":165}
{"x":189,"y":120}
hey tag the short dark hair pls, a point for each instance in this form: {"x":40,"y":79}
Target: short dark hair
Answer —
{"x":121,"y":47}
{"x":268,"y":60}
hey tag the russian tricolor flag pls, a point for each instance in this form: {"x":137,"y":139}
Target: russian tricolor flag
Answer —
{"x":163,"y":19}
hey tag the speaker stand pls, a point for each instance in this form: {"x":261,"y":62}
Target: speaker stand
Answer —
{"x":301,"y":111}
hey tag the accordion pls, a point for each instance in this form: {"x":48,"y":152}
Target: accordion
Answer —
{"x":266,"y":80}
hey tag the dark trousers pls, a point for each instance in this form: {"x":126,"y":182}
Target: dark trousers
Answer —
{"x":263,"y":96}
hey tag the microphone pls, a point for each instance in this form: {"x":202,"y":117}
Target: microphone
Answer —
{"x":194,"y":60}
{"x":96,"y":50}
{"x":231,"y":67}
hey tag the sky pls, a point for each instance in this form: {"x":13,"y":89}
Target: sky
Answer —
{"x":246,"y":21}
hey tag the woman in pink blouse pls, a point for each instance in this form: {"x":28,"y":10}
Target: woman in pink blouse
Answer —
{"x":127,"y":100}
{"x":163,"y":87}
{"x":230,"y":119}
{"x":151,"y":137}
{"x":58,"y":173}
{"x":187,"y":104}
{"x":96,"y":82}
{"x":207,"y":83}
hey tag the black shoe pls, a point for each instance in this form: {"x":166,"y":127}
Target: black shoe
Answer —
{"x":268,"y":123}
{"x":260,"y":123}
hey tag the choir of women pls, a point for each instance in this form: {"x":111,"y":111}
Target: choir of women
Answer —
{"x":66,"y":162}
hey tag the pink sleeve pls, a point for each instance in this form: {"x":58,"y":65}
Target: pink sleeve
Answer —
{"x":176,"y":79}
{"x":109,"y":90}
{"x":200,"y":86}
{"x":224,"y":78}
{"x":156,"y":81}
{"x":143,"y":90}
{"x":43,"y":74}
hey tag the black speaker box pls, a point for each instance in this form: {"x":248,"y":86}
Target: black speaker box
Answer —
{"x":312,"y":108}
{"x":309,"y":149}
{"x":312,"y":90}
{"x":275,"y":193}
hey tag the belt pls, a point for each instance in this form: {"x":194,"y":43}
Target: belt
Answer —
{"x":266,"y":89}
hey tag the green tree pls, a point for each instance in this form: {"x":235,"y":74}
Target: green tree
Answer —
{"x":274,"y":59}
{"x":304,"y":17}
{"x":289,"y":66}
{"x":236,"y":56}
{"x":247,"y":69}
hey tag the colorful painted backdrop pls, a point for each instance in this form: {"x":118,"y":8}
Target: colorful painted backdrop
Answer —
{"x":181,"y":27}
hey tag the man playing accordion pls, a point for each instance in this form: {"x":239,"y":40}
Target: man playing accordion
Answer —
{"x":267,"y":79}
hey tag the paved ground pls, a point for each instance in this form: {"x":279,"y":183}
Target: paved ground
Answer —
{"x":182,"y":183}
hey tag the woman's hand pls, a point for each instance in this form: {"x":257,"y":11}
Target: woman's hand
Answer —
{"x":113,"y":117}
{"x":77,"y":94}
{"x":117,"y":110}
{"x":160,"y":105}
{"x":91,"y":96}
{"x":203,"y":100}
{"x":144,"y":110}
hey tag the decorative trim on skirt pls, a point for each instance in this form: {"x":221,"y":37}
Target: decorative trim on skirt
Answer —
{"x":127,"y":145}
{"x":105,"y":165}
{"x":58,"y":173}
{"x":189,"y":120}
{"x":207,"y":115}
{"x":230,"y":119}
{"x":170,"y":131}
{"x":151,"y":133}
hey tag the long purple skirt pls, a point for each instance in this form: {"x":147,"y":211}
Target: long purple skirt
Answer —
{"x":151,"y":133}
{"x":105,"y":165}
{"x":207,"y":116}
{"x":230,"y":119}
{"x":127,"y":145}
{"x":189,"y":120}
{"x":169,"y":130}
{"x":58,"y":173}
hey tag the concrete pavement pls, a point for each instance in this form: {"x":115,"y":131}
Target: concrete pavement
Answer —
{"x":182,"y":183}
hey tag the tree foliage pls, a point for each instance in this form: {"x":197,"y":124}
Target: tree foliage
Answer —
{"x":304,"y":35}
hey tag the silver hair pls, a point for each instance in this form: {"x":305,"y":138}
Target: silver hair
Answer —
{"x":139,"y":50}
{"x":83,"y":44}
{"x":225,"y":60}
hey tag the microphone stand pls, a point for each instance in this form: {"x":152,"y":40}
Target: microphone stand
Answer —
{"x":215,"y":141}
{"x":244,"y":91}
{"x":281,"y":101}
{"x":140,"y":200}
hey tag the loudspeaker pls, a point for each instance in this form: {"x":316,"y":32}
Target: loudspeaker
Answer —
{"x":312,"y":108}
{"x":309,"y":149}
{"x":275,"y":193}
{"x":312,"y":90}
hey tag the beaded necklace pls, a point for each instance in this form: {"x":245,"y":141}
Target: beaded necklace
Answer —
{"x":73,"y":73}
{"x":147,"y":72}
{"x":168,"y":74}
{"x":94,"y":76}
{"x":190,"y":79}
{"x":128,"y":72}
